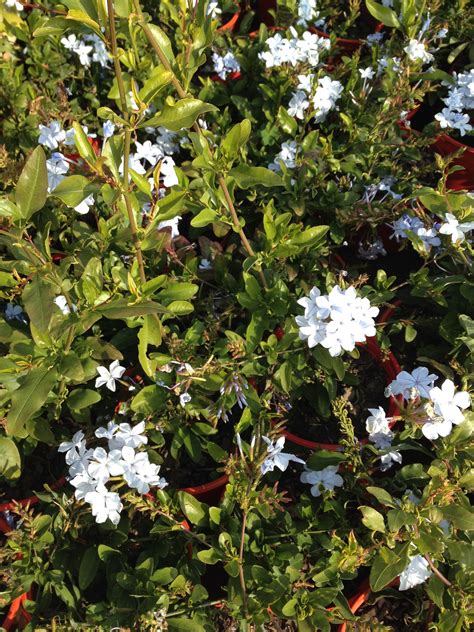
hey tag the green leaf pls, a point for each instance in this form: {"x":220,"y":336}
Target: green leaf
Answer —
{"x":372,"y":519}
{"x":105,"y":552}
{"x":397,"y":519}
{"x":178,"y":292}
{"x":164,"y":575}
{"x":209,"y":556}
{"x":83,"y":145}
{"x":180,"y":308}
{"x":10,"y":460}
{"x":461,"y":517}
{"x":179,"y":624}
{"x":158,"y":79}
{"x":9,"y":209}
{"x":32,"y":187}
{"x":28,"y":398}
{"x":149,"y":400}
{"x":195,"y":511}
{"x":387,"y":565}
{"x":181,"y":114}
{"x":383,"y":14}
{"x":322,"y":458}
{"x":38,"y":297}
{"x":288,"y":124}
{"x":73,"y":189}
{"x":289,"y":609}
{"x":246,"y":177}
{"x":39,"y":429}
{"x":82,"y":398}
{"x":54,"y":26}
{"x":120,"y":308}
{"x":149,"y":334}
{"x":83,"y":18}
{"x":204,"y":218}
{"x":381,"y":495}
{"x":162,"y":40}
{"x":235,"y":139}
{"x":410,"y":333}
{"x":108,"y":114}
{"x":88,"y":568}
{"x":309,"y":237}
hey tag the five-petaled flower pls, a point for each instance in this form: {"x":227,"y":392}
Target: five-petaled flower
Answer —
{"x":322,"y":480}
{"x":411,"y":385}
{"x":109,"y":376}
{"x":275,"y":457}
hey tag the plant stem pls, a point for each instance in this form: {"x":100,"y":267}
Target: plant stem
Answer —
{"x":127,"y":141}
{"x":113,"y":46}
{"x":438,"y":573}
{"x":241,"y":564}
{"x":183,"y":94}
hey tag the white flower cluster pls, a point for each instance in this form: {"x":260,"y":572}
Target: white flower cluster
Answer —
{"x":14,"y":4}
{"x":146,"y":156}
{"x":441,"y":408}
{"x":91,"y":48}
{"x":429,"y":236}
{"x":287,"y":156}
{"x":294,"y":50}
{"x":460,"y":97}
{"x":381,"y":436}
{"x":384,"y":186}
{"x":276,"y":457}
{"x":166,"y":141}
{"x":416,"y":50}
{"x":456,"y":230}
{"x":213,"y":9}
{"x":57,"y":166}
{"x":322,"y":480}
{"x":225,"y":64}
{"x":323,"y":97}
{"x":91,"y":469}
{"x":337,"y":321}
{"x":307,"y":12}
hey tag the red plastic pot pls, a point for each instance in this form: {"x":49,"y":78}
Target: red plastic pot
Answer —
{"x":360,"y":598}
{"x":346,"y":45}
{"x":357,"y":601}
{"x":233,"y":76}
{"x":389,"y":364}
{"x":210,"y":493}
{"x":388,"y":313}
{"x":459,"y":180}
{"x":17,"y":618}
{"x":445,"y":145}
{"x":32,"y":500}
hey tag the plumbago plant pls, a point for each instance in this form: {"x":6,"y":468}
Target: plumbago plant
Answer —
{"x":199,"y":401}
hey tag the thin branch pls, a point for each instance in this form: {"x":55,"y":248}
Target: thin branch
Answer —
{"x":196,"y":127}
{"x":127,"y":141}
{"x":438,"y":573}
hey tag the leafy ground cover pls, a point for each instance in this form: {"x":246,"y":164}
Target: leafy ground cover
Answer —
{"x":236,"y":315}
